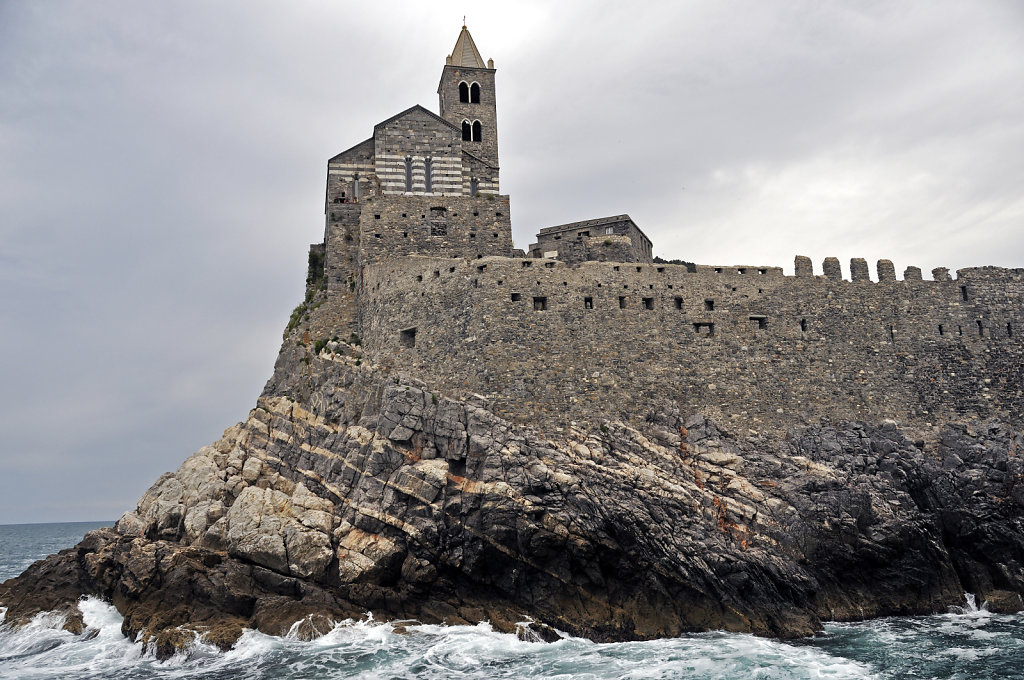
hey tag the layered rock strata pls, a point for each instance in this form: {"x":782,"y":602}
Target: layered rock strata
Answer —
{"x":350,"y":491}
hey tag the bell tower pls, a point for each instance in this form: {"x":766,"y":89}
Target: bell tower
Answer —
{"x":467,"y":99}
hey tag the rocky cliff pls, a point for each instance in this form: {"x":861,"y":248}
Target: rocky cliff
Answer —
{"x":350,"y":490}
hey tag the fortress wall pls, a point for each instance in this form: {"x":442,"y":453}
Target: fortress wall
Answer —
{"x":749,"y":348}
{"x":391,"y":226}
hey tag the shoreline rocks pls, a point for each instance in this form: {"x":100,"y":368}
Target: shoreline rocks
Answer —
{"x":407,"y":504}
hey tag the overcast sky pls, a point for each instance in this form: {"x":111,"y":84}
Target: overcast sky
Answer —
{"x":162,"y":173}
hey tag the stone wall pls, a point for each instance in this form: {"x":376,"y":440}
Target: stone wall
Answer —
{"x":553,"y":343}
{"x":418,"y":135}
{"x":605,"y":239}
{"x":464,"y":226}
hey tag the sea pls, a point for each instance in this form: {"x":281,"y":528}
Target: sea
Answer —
{"x":967,"y":642}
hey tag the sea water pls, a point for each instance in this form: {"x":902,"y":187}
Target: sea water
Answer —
{"x":966,"y":643}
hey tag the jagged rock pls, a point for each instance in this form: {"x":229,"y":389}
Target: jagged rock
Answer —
{"x":301,"y":513}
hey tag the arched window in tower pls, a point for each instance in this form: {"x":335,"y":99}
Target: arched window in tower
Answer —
{"x":474,"y":93}
{"x":477,"y":131}
{"x":463,"y":92}
{"x":408,"y":174}
{"x":467,"y":131}
{"x":428,"y":171}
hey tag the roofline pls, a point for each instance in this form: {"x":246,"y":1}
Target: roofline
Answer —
{"x":596,"y":222}
{"x":413,"y":108}
{"x":477,"y":158}
{"x":341,"y":153}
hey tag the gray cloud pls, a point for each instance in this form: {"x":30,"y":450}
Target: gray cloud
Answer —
{"x":162,"y":169}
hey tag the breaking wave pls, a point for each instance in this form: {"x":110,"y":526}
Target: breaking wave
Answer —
{"x":972,"y":643}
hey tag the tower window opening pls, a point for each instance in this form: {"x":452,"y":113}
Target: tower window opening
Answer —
{"x":540,"y":304}
{"x":803,"y":326}
{"x":464,"y":93}
{"x":407,"y":338}
{"x":474,"y":93}
{"x":478,"y":135}
{"x":474,"y":186}
{"x":941,"y":330}
{"x":588,"y":303}
{"x":759,"y":322}
{"x":981,"y":329}
{"x":648,"y":303}
{"x":622,"y":302}
{"x":709,"y":305}
{"x":1009,"y":329}
{"x":428,"y":171}
{"x":516,"y":297}
{"x":678,"y":302}
{"x":963,"y":293}
{"x":408,"y":174}
{"x":467,"y":131}
{"x":703,"y":328}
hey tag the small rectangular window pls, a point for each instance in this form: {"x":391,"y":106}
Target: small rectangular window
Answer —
{"x":981,"y":329}
{"x":407,"y":338}
{"x":762,"y":271}
{"x":703,"y":328}
{"x":482,"y":268}
{"x":588,"y":303}
{"x":622,"y":302}
{"x":376,"y":217}
{"x":639,"y":269}
{"x":405,"y":234}
{"x":419,"y":277}
{"x":648,"y":303}
{"x":540,"y":304}
{"x":709,"y":305}
{"x":526,"y":263}
{"x":741,"y":270}
{"x":963,"y":293}
{"x":609,"y":230}
{"x":437,"y":273}
{"x":451,"y":270}
{"x":472,"y":235}
{"x":516,"y":297}
{"x":678,"y":302}
{"x":803,"y":326}
{"x":549,"y":265}
{"x":376,"y":235}
{"x":661,"y":270}
{"x":615,"y":268}
{"x":497,"y":214}
{"x":759,"y":322}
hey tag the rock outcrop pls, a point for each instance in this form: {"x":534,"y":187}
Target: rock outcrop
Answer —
{"x":349,"y":491}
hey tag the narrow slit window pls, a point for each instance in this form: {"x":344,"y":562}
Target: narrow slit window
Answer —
{"x":942,"y":331}
{"x":428,"y":171}
{"x":408,"y":174}
{"x":1009,"y":329}
{"x":963,"y":293}
{"x":622,"y":302}
{"x":588,"y":303}
{"x":803,"y":326}
{"x":678,"y":302}
{"x":981,"y":329}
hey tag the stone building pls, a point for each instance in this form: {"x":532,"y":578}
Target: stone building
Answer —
{"x":615,"y":238}
{"x":418,"y":262}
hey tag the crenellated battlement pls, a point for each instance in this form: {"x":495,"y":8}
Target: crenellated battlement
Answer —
{"x":419,"y":263}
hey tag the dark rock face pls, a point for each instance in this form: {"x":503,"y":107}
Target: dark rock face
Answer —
{"x":348,"y":492}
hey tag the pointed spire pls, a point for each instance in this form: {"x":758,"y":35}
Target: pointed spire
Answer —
{"x":465,"y":52}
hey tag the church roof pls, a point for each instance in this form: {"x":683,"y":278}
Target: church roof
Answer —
{"x":465,"y":52}
{"x":420,"y":109}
